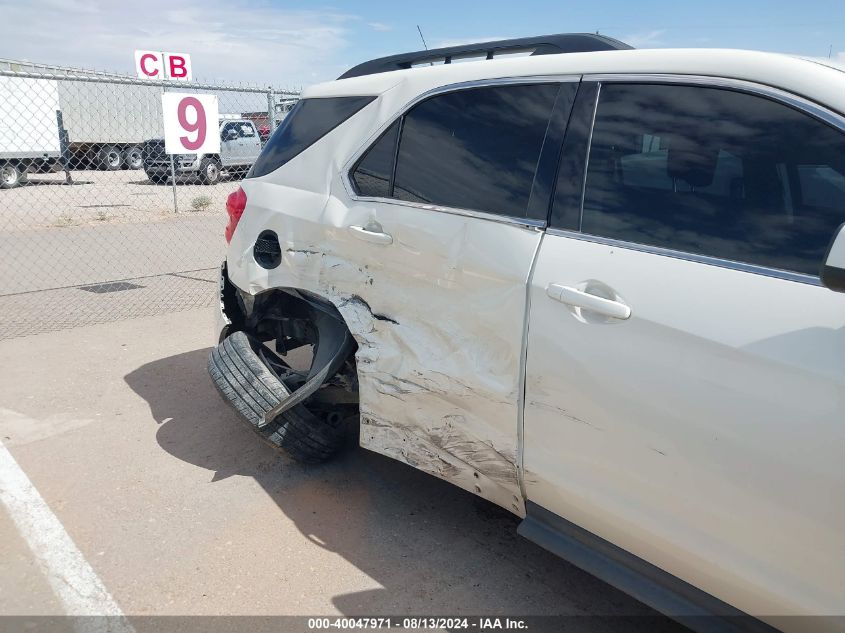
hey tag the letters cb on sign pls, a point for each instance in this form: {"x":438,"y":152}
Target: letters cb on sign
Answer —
{"x":191,"y":123}
{"x":163,"y":65}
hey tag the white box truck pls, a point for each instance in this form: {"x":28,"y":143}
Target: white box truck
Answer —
{"x":29,"y":128}
{"x":102,"y":121}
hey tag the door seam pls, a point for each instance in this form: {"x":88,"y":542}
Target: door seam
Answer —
{"x":523,"y":365}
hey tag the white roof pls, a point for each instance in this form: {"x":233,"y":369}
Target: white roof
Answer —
{"x":807,"y":78}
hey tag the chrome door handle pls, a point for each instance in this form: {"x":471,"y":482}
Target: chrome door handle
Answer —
{"x":584,"y":300}
{"x":370,"y":234}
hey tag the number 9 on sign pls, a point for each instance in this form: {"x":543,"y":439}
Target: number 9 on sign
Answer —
{"x":198,"y":125}
{"x":190,"y":123}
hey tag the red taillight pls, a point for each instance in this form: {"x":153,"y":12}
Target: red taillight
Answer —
{"x":235,"y":205}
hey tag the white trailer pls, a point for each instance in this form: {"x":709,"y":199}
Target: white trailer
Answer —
{"x":29,"y":127}
{"x":107,"y":123}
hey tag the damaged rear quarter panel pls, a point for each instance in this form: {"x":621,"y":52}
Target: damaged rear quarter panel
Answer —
{"x":438,"y":317}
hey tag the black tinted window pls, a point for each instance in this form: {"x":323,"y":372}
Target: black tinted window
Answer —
{"x":372,"y":174}
{"x":307,"y":122}
{"x":714,"y":172}
{"x":475,"y":149}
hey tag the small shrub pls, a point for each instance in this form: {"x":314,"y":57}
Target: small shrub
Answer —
{"x":201,"y":203}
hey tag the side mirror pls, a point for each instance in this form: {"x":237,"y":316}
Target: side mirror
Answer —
{"x":231,"y":135}
{"x":833,"y":269}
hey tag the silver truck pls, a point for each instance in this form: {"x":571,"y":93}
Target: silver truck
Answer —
{"x":240,"y":145}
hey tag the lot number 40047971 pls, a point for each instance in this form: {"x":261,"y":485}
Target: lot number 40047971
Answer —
{"x":191,"y":123}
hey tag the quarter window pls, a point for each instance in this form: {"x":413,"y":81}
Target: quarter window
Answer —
{"x":714,"y":172}
{"x":308,"y":122}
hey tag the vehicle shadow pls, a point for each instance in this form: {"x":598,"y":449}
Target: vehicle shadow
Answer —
{"x":434,"y":548}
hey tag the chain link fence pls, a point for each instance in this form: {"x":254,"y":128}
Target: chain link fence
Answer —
{"x":97,"y":223}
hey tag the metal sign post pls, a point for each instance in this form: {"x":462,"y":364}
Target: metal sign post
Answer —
{"x":271,"y":112}
{"x":173,"y":183}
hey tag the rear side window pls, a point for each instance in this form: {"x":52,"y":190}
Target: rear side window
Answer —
{"x":308,"y":121}
{"x":714,"y":172}
{"x":371,"y":176}
{"x":470,"y":149}
{"x":475,"y":149}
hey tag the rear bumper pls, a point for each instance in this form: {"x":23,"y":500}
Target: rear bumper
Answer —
{"x":225,"y":294}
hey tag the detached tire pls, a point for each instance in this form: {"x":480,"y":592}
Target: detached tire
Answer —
{"x":209,"y":171}
{"x":252,"y":389}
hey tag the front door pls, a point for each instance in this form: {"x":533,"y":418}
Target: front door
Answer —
{"x":685,"y":389}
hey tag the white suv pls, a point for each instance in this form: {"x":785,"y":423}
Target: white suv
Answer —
{"x":600,"y":289}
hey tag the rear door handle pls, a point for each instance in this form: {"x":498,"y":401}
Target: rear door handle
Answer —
{"x":580,"y":299}
{"x":369,"y":234}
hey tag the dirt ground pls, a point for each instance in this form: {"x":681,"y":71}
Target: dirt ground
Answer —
{"x":181,"y":510}
{"x":105,"y":197}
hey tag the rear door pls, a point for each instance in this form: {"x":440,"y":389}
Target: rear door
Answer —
{"x":685,"y":389}
{"x":445,"y":236}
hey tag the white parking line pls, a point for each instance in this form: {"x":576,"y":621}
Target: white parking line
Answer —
{"x":73,"y":580}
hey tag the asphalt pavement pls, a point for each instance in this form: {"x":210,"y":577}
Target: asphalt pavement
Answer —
{"x":173,"y":507}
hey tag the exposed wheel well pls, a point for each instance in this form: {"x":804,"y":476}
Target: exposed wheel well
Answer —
{"x":286,"y":319}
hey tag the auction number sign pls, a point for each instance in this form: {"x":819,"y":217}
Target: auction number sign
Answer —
{"x":191,"y":123}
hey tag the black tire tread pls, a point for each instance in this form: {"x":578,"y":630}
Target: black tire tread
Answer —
{"x":249,"y":386}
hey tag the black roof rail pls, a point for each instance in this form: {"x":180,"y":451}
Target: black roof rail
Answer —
{"x":538,"y":45}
